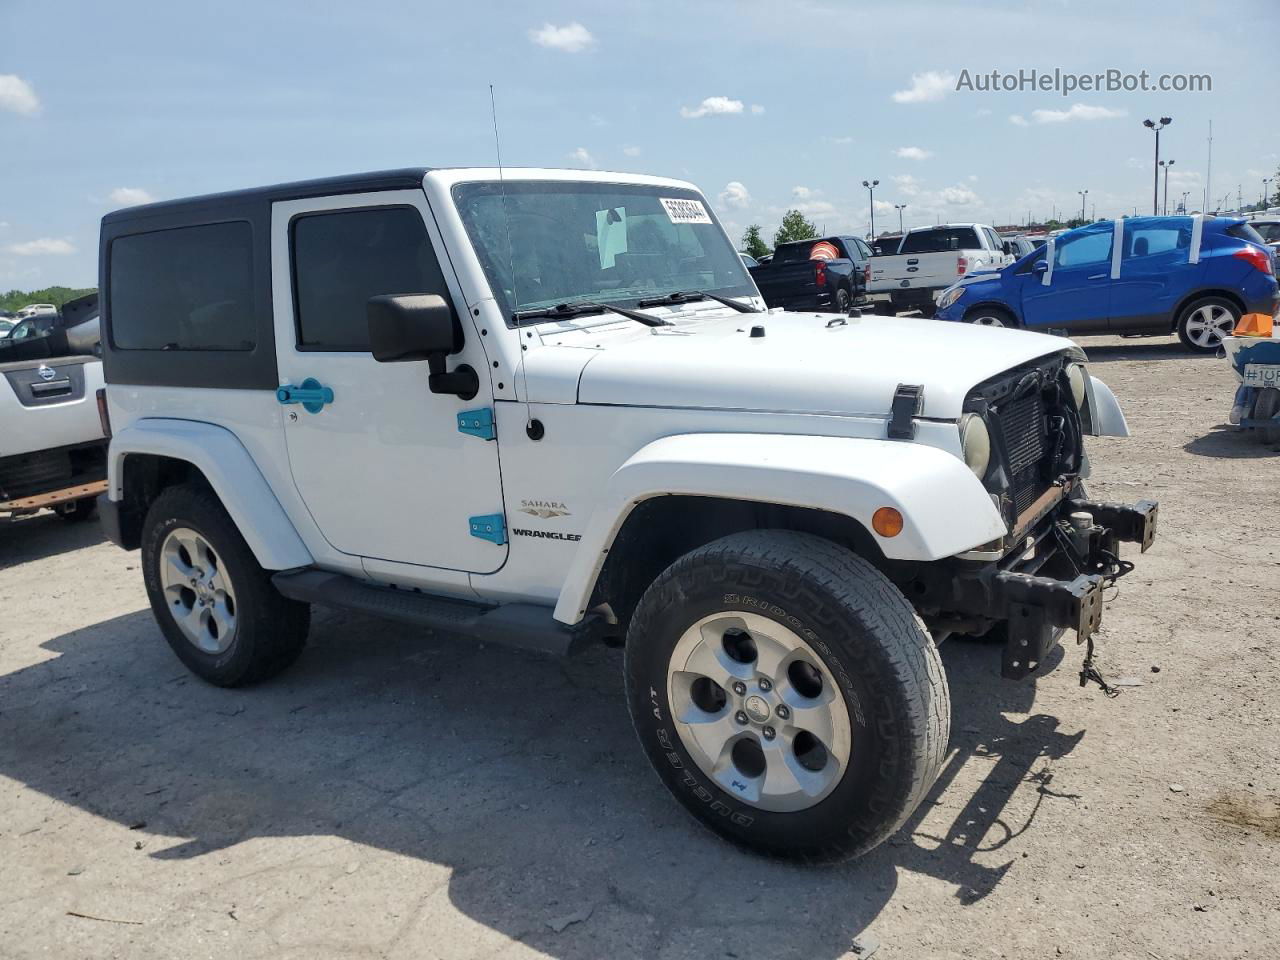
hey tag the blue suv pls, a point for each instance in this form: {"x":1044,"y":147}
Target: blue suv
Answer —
{"x":1143,"y":275}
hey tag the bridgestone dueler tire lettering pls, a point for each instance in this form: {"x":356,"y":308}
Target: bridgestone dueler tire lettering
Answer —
{"x":871,"y":640}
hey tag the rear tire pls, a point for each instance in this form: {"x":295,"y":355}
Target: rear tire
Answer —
{"x":1266,"y":407}
{"x":842,"y":301}
{"x":1204,"y":322}
{"x":214,"y":603}
{"x":850,"y":673}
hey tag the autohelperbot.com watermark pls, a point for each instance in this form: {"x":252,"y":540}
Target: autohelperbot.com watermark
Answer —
{"x":1065,"y":82}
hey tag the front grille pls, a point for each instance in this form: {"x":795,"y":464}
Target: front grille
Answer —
{"x":1023,"y":430}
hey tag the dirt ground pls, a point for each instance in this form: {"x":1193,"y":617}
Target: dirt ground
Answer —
{"x":401,"y":795}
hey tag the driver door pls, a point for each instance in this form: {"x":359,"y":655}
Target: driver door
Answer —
{"x":383,"y":468}
{"x":1078,"y":295}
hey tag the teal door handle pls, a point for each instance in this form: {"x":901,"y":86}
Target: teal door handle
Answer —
{"x":310,"y":394}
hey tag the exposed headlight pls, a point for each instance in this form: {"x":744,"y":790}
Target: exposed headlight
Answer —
{"x":949,"y":296}
{"x":975,"y":442}
{"x":1076,"y":375}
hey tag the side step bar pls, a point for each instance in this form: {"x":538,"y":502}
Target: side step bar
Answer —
{"x":526,"y":626}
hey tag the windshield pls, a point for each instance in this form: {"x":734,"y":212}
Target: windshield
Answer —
{"x":603,"y":242}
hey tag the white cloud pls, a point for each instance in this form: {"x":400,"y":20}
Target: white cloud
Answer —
{"x":45,"y":246}
{"x":735,"y":194}
{"x":631,"y":151}
{"x":1077,"y":111}
{"x":571,"y":38}
{"x":130,"y":196}
{"x":957,"y":196}
{"x":802,"y":193}
{"x":925,"y":87}
{"x":1135,"y":164}
{"x":907,"y":184}
{"x":983,"y":112}
{"x":711,"y":105}
{"x":840,"y":140}
{"x":757,"y":109}
{"x":912,"y":153}
{"x":1017,"y":120}
{"x":17,"y":96}
{"x":581,"y":158}
{"x":4,"y":224}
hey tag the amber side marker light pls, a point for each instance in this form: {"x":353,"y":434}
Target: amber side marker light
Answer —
{"x":887,"y":522}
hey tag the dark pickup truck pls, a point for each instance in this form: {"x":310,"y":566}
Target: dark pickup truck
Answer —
{"x":825,"y":273}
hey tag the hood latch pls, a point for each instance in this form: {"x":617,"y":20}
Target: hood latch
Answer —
{"x":908,"y":401}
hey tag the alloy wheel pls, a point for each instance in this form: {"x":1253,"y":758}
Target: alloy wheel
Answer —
{"x":1207,"y":326}
{"x":759,"y":711}
{"x":198,"y":591}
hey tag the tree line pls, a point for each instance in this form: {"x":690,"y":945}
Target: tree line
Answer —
{"x":794,"y":226}
{"x":15,"y":300}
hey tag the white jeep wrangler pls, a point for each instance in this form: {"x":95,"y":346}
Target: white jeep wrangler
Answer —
{"x":549,"y":407}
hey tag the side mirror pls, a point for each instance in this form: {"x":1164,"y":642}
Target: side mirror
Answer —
{"x":1008,"y":247}
{"x":1040,"y":266}
{"x":420,"y":327}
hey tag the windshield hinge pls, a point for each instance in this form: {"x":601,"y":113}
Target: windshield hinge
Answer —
{"x":908,"y":400}
{"x":478,"y":423}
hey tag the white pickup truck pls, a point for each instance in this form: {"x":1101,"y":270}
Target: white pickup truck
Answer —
{"x":929,"y":260}
{"x":53,"y":443}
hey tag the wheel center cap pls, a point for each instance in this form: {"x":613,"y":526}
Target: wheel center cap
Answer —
{"x":757,"y":708}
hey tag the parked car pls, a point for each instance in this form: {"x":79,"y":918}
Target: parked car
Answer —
{"x":928,"y":261}
{"x":606,"y":435}
{"x":1164,"y":278}
{"x":53,"y":445}
{"x":36,"y":310}
{"x":885,"y":246}
{"x":6,"y":324}
{"x":1268,"y":229}
{"x":1019,"y":246}
{"x":748,"y":260}
{"x":824,"y":273}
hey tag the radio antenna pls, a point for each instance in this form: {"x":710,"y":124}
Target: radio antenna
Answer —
{"x":511,"y":263}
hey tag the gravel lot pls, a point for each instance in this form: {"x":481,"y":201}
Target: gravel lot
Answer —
{"x":401,"y":795}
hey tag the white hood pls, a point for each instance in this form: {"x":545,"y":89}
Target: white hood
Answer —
{"x":800,"y":365}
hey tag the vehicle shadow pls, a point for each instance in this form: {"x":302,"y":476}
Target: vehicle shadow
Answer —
{"x":44,"y":534}
{"x":1230,"y":443}
{"x":518,"y":773}
{"x":1142,"y":348}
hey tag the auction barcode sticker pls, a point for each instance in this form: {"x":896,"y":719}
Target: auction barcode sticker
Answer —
{"x":685,"y":211}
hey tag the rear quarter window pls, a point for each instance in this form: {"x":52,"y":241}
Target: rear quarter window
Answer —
{"x":186,"y":288}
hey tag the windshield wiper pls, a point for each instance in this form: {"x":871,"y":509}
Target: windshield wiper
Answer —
{"x":563,"y":311}
{"x":692,"y":296}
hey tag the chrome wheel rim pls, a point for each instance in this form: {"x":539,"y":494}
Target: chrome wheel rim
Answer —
{"x":1209,"y":324}
{"x":759,"y":711}
{"x":198,"y":591}
{"x":988,"y":320}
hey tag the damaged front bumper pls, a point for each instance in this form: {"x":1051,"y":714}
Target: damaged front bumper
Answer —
{"x":1050,"y":583}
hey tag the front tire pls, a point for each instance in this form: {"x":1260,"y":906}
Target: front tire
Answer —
{"x":990,"y":317}
{"x":214,"y":603}
{"x":1267,"y":407}
{"x":1204,"y":322}
{"x":787,"y":694}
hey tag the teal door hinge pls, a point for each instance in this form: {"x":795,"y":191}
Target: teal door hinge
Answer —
{"x":478,"y":423}
{"x":491,"y":527}
{"x":309,"y":393}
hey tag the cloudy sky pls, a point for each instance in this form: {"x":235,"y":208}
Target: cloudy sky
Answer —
{"x":765,"y":105}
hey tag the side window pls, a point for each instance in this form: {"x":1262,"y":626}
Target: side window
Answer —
{"x":1148,"y":240}
{"x":342,"y":259}
{"x":864,"y":252}
{"x":189,"y":288}
{"x":1087,"y":248}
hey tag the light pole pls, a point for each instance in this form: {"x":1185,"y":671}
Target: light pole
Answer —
{"x":1183,"y":205}
{"x":871,"y":189}
{"x":1166,"y":164}
{"x":899,"y":207}
{"x":1155,"y":172}
{"x":1265,"y":181}
{"x":1083,"y":194}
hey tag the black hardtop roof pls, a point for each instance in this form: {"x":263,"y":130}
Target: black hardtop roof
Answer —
{"x":405,"y":178}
